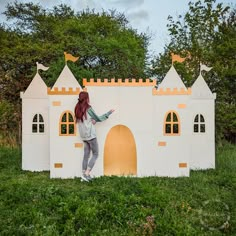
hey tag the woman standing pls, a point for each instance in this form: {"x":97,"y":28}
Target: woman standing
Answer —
{"x":87,"y":118}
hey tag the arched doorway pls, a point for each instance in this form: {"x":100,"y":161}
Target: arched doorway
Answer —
{"x":120,"y":157}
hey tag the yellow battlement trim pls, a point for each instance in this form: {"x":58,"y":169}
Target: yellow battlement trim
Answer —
{"x":168,"y":91}
{"x":63,"y":91}
{"x":119,"y":82}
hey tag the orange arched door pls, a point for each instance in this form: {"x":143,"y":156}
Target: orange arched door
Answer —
{"x":120,"y":157}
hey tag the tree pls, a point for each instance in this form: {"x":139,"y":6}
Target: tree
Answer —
{"x":107,"y":47}
{"x":208,"y":33}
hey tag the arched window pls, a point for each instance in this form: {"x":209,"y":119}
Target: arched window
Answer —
{"x":38,"y":124}
{"x":199,"y":124}
{"x":67,"y":124}
{"x":171,"y":124}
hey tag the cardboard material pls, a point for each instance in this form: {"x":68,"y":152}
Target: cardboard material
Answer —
{"x":153,"y":131}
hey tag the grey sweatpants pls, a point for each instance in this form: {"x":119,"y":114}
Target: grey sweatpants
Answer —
{"x":90,"y":145}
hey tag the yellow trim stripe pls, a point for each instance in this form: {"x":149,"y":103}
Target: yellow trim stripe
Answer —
{"x":119,"y":82}
{"x":169,"y":91}
{"x":63,"y":91}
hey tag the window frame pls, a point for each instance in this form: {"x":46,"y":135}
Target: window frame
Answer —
{"x":199,"y":123}
{"x":67,"y":123}
{"x":172,"y":123}
{"x":38,"y":123}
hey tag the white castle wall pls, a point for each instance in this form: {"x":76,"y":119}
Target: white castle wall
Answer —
{"x":177,"y":147}
{"x":203,"y":144}
{"x":132,"y":108}
{"x":136,"y":108}
{"x":35,"y":146}
{"x":62,"y":148}
{"x":143,"y":114}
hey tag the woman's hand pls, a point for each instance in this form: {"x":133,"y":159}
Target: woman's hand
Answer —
{"x":112,"y":110}
{"x":93,"y":121}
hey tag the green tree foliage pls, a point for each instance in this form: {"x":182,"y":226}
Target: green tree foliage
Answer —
{"x":10,"y":131}
{"x":208,"y":33}
{"x":106,"y":45}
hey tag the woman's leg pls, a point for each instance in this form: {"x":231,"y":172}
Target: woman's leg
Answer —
{"x":94,"y":147}
{"x":86,"y":156}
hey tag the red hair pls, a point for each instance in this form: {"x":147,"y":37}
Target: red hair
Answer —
{"x":82,"y":106}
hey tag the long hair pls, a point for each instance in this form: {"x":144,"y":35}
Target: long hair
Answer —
{"x":82,"y":106}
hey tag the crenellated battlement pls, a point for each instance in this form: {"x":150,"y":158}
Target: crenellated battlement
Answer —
{"x":119,"y":82}
{"x":169,"y":91}
{"x":63,"y":91}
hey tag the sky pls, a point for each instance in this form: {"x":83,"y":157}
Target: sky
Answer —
{"x":147,"y":16}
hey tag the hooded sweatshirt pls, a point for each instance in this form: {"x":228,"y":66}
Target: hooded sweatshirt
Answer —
{"x":87,"y":129}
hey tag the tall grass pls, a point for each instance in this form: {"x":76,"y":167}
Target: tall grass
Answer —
{"x":8,"y":139}
{"x":33,"y":204}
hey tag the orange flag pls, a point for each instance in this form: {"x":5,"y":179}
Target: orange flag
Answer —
{"x":69,"y":57}
{"x":177,"y":58}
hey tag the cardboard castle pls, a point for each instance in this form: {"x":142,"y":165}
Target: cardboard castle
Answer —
{"x":164,"y":131}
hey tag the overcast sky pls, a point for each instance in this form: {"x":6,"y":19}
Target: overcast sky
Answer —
{"x":143,"y":15}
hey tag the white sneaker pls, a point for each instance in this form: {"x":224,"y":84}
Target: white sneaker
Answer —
{"x":89,"y":178}
{"x":84,"y":178}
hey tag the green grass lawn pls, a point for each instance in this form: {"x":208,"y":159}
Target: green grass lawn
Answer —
{"x":34,"y":204}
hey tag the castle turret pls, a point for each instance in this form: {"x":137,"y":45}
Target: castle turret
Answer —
{"x":66,"y":148}
{"x":203,"y":125}
{"x":35,"y":128}
{"x":171,"y":105}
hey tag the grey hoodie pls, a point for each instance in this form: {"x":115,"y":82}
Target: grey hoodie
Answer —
{"x":87,"y":129}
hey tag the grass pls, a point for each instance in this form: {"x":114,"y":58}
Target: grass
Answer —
{"x":33,"y":204}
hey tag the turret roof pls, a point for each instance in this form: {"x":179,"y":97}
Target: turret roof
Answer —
{"x":200,"y":89}
{"x":66,"y":79}
{"x":172,"y":80}
{"x":36,"y":89}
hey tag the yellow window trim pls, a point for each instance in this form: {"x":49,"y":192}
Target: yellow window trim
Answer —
{"x":67,"y":123}
{"x":171,"y":124}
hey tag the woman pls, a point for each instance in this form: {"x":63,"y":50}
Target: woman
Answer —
{"x":87,"y":118}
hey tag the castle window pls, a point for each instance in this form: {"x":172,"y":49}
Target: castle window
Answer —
{"x":67,"y":124}
{"x":38,"y":124}
{"x":172,"y":124}
{"x":199,"y":124}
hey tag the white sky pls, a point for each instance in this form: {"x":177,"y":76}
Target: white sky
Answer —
{"x":143,"y":15}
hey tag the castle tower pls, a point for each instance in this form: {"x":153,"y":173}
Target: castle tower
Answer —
{"x":202,"y":126}
{"x":35,"y":126}
{"x":66,"y":148}
{"x":171,"y":105}
{"x":125,"y":139}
